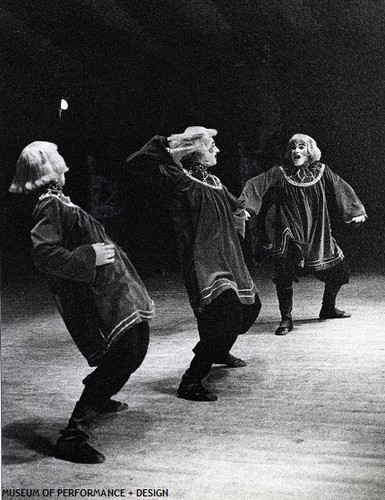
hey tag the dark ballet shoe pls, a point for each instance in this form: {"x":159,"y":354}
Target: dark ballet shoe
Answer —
{"x":231,"y":361}
{"x":285,"y":326}
{"x":74,"y":448}
{"x":195,"y":392}
{"x":114,"y":406}
{"x":333,"y":313}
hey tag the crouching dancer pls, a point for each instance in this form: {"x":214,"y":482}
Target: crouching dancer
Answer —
{"x":220,"y":289}
{"x":102,"y":300}
{"x":302,"y":228}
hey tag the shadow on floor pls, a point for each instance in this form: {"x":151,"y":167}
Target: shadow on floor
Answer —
{"x":165,"y":385}
{"x":272,"y":325}
{"x":170,"y":385}
{"x":34,"y":440}
{"x":28,"y":441}
{"x":308,"y":321}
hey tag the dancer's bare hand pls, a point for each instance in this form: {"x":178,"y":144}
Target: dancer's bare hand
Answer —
{"x":105,"y":254}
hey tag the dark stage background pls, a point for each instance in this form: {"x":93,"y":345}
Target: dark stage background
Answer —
{"x":258,"y":71}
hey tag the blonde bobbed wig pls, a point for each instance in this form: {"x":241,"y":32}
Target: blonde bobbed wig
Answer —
{"x":313,"y":151}
{"x":39,"y":164}
{"x":192,"y":141}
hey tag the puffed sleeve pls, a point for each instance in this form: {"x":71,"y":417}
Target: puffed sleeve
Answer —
{"x":48,"y":239}
{"x":237,"y":204}
{"x":348,"y":203}
{"x":256,"y":188}
{"x":238,"y":208}
{"x":174,"y":178}
{"x":155,"y":160}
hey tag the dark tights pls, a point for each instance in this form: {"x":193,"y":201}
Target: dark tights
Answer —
{"x":115,"y":368}
{"x":286,"y":273}
{"x":219,"y":325}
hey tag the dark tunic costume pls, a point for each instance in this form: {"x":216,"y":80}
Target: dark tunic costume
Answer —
{"x":220,"y":289}
{"x":302,"y":216}
{"x":205,"y":218}
{"x":98,"y":304}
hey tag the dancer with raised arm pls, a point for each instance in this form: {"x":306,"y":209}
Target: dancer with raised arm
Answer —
{"x":221,"y":291}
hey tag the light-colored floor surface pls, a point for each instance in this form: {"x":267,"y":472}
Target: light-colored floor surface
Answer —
{"x":304,"y":420}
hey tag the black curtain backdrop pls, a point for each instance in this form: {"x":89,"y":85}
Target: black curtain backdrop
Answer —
{"x":130,"y":70}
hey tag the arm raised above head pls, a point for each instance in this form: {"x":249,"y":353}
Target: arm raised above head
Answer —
{"x":155,"y":159}
{"x":151,"y":155}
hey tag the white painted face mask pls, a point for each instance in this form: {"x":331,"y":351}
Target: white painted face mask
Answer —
{"x":299,"y":154}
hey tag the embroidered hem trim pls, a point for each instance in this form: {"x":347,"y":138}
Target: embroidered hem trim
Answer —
{"x":312,"y":263}
{"x":135,"y":317}
{"x":138,"y":314}
{"x":223,"y":282}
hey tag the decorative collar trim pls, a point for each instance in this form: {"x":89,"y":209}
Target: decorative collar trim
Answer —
{"x":208,"y":180}
{"x":304,"y":177}
{"x":198,"y":173}
{"x":57,"y":193}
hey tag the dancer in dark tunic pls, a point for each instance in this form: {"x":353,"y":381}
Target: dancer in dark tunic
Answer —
{"x":220,"y":289}
{"x":302,"y":228}
{"x":102,"y":300}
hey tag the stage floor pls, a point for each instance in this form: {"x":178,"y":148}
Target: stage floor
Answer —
{"x":304,"y":420}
